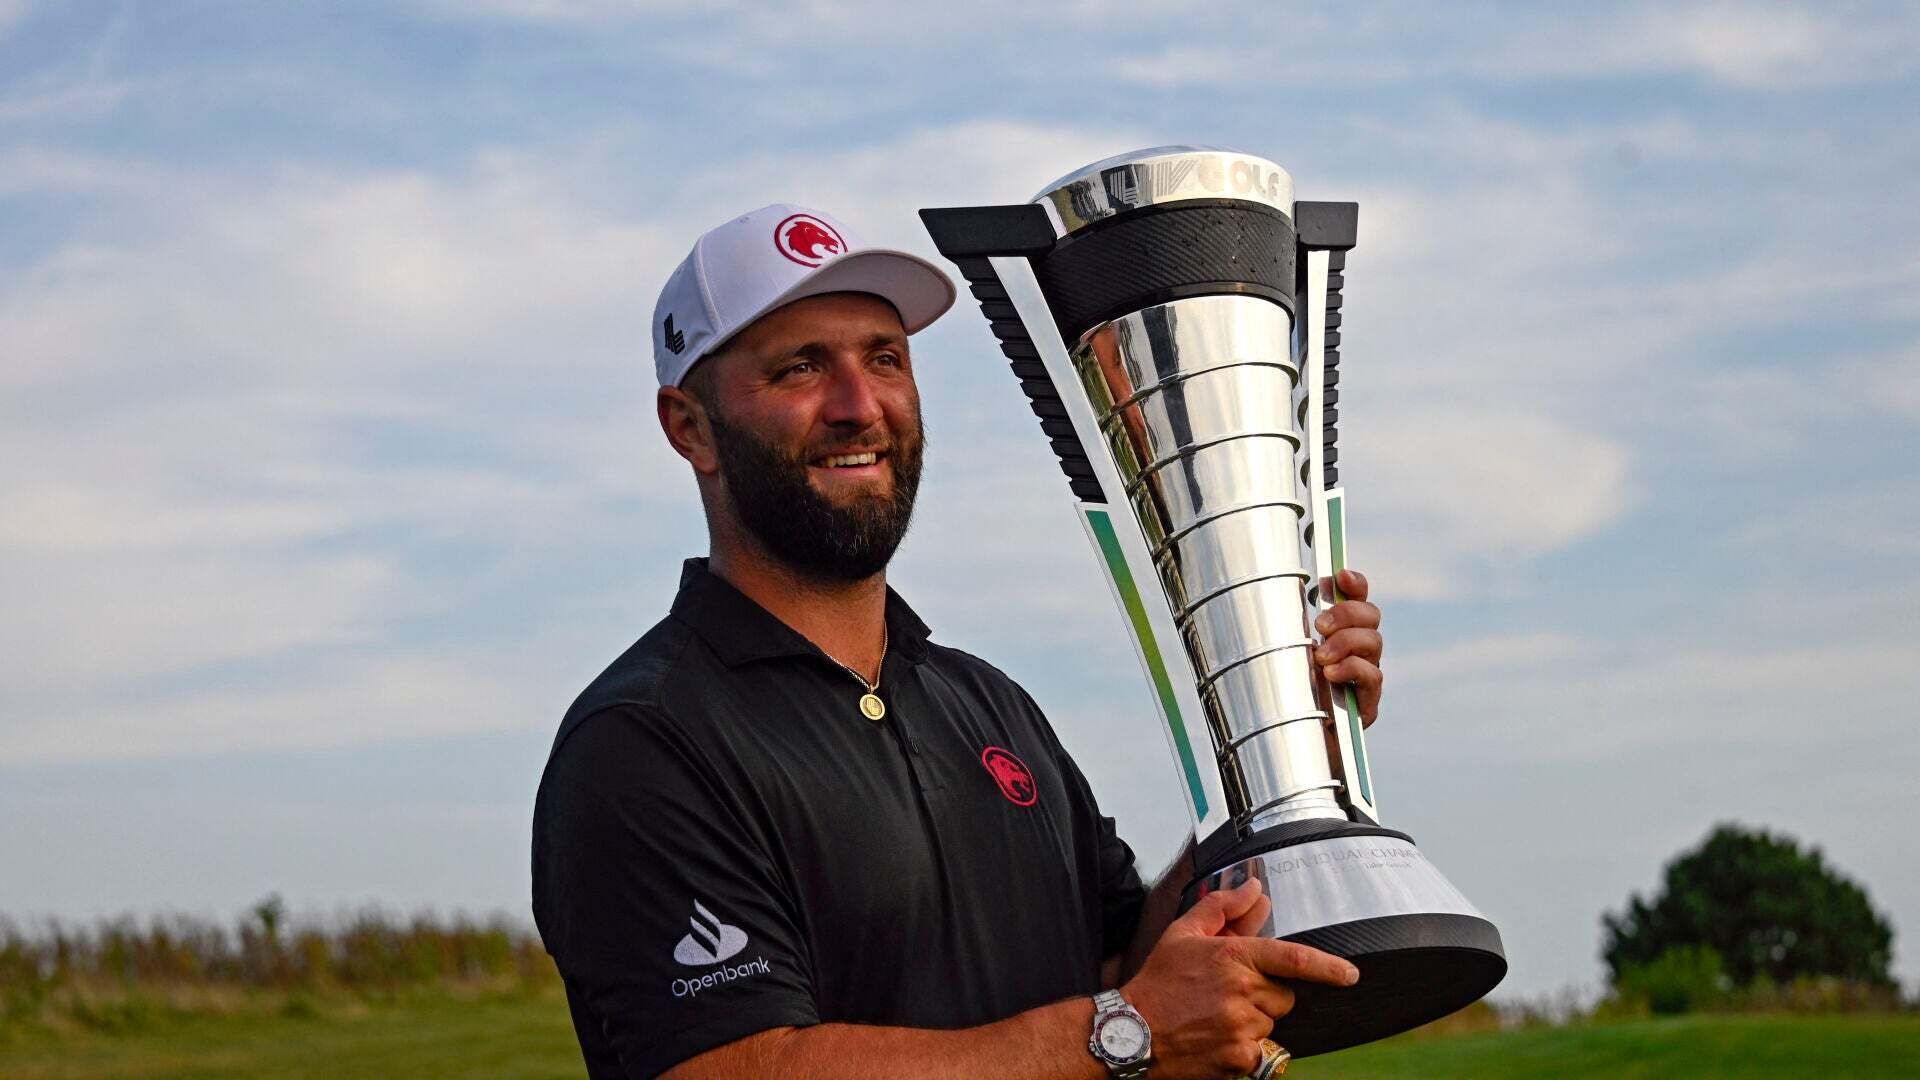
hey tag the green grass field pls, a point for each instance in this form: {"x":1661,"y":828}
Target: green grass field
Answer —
{"x":424,"y":1034}
{"x":433,"y":1035}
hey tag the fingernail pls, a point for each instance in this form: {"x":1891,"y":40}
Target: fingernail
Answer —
{"x":1353,"y":974}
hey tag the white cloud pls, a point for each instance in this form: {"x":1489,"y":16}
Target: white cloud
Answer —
{"x":73,"y":87}
{"x":279,"y":279}
{"x":880,"y":187}
{"x":1457,"y":492}
{"x":996,"y":531}
{"x":84,"y":622}
{"x":214,"y":488}
{"x":1769,"y":46}
{"x":409,"y":266}
{"x":1496,"y":654}
{"x":1174,"y":66}
{"x":1654,"y":696}
{"x":350,"y":699}
{"x":1744,"y":673}
{"x":1895,"y":382}
{"x":47,"y":170}
{"x":1859,"y":520}
{"x":571,"y":12}
{"x":806,"y":20}
{"x":52,"y":518}
{"x":1753,"y":46}
{"x":69,"y":101}
{"x":1455,"y":135}
{"x":352,"y":272}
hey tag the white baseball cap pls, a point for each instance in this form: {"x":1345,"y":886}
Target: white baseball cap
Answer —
{"x":775,"y":255}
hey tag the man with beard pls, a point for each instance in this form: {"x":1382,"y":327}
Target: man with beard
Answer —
{"x":786,"y":833}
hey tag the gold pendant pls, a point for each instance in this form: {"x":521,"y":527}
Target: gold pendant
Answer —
{"x":872,"y":707}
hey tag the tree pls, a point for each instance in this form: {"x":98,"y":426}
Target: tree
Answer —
{"x":1764,"y":906}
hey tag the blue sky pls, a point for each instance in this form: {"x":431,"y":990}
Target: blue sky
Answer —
{"x":330,"y":473}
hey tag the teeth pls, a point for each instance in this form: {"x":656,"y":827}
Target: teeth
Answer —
{"x":839,"y":460}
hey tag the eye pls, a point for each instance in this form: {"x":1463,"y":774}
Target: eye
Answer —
{"x":890,"y":359}
{"x":798,"y":367}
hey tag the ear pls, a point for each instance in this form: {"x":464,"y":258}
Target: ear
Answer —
{"x":684,"y":421}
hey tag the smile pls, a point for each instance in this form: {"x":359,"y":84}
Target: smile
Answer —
{"x":849,"y":461}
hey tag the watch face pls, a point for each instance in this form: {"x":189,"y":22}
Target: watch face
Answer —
{"x":1123,"y":1038}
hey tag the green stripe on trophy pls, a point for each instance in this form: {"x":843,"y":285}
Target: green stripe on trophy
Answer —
{"x":1337,"y":539}
{"x":1143,"y":632}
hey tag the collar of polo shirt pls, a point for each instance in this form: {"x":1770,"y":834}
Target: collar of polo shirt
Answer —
{"x":740,"y":631}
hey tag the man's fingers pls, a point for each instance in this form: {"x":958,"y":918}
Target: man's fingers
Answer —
{"x":1352,"y":657}
{"x":1348,"y":613}
{"x":1216,"y":910}
{"x":1366,"y":680}
{"x":1251,"y":920}
{"x":1292,"y":960}
{"x":1365,"y":644}
{"x":1272,"y":998}
{"x":1367,"y":688}
{"x":1352,"y":646}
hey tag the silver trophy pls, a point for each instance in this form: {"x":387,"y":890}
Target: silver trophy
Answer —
{"x":1173,"y":316}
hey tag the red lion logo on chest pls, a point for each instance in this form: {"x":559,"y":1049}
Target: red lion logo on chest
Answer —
{"x":1012,"y":774}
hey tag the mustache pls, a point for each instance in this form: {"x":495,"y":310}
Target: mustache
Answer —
{"x":860,"y":446}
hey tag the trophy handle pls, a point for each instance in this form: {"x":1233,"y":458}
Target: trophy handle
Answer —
{"x":1326,"y":232}
{"x":993,"y":247}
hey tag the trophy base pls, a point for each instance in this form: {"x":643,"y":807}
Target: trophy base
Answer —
{"x":1366,"y":894}
{"x":1413,"y":969}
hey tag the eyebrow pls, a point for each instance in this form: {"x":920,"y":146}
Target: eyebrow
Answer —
{"x":814,"y":349}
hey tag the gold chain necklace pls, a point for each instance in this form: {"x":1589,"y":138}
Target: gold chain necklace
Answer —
{"x":871,"y":706}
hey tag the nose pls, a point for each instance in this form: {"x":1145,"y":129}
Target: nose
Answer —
{"x":851,"y":400}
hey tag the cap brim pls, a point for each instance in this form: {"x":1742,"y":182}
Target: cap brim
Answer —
{"x":916,"y":288}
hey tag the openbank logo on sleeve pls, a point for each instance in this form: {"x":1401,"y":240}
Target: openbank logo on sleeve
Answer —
{"x":712,"y":942}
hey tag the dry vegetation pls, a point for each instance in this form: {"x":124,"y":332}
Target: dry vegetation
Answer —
{"x":121,"y":974}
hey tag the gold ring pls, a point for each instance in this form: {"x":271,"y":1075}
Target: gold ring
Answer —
{"x":1273,"y":1060}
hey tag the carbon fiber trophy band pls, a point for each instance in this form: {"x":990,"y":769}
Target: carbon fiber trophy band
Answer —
{"x":1174,"y":317}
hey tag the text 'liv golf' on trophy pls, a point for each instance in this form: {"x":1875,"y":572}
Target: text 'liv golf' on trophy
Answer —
{"x":1173,"y":315}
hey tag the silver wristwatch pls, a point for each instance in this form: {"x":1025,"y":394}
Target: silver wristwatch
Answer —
{"x":1120,"y":1037}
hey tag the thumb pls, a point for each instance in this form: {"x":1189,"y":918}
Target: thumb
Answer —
{"x":1215,"y":910}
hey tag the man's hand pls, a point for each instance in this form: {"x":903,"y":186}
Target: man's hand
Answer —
{"x":1351,"y":651}
{"x":1209,"y":995}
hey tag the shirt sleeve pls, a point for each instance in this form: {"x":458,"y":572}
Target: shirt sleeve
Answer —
{"x":667,"y":918}
{"x":1122,"y":894}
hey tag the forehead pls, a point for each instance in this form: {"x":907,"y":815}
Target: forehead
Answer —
{"x":834,"y":321}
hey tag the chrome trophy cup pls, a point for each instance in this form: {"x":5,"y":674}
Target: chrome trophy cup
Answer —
{"x":1173,"y":316}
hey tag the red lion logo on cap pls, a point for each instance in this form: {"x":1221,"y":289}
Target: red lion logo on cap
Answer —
{"x":1012,"y":774}
{"x":807,"y":240}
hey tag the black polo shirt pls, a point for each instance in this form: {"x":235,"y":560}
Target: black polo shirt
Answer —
{"x":723,"y":844}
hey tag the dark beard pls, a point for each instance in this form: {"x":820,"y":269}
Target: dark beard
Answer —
{"x":774,"y":500}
